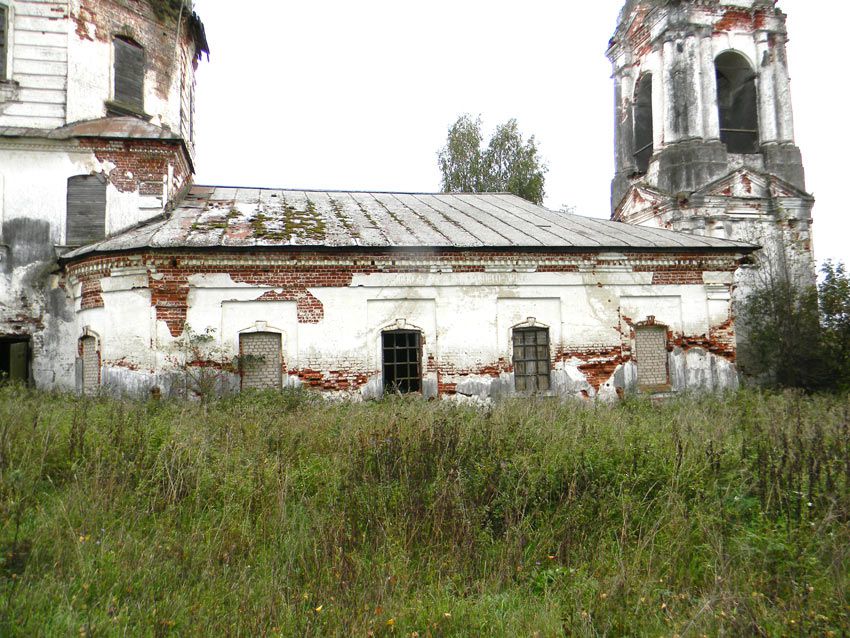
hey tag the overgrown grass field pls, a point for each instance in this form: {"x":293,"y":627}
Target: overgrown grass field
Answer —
{"x":269,"y":514}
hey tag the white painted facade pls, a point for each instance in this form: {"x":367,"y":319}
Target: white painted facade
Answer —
{"x":331,"y":273}
{"x":466,"y":321}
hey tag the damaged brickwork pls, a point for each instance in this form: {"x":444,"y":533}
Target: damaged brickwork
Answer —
{"x":138,"y":20}
{"x":142,"y":166}
{"x":300,"y":275}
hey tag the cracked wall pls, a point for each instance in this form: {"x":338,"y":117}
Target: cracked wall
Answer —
{"x":465,"y":304}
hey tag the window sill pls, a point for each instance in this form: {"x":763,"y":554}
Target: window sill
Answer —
{"x":121,"y":109}
{"x":655,"y":389}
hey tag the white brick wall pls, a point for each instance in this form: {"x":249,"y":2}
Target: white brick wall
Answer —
{"x":91,"y":365}
{"x":261,"y":363}
{"x":651,"y":354}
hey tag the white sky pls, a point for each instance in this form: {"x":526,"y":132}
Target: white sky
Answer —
{"x":339,"y":94}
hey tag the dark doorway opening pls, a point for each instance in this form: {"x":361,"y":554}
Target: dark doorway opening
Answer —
{"x":402,"y":359}
{"x":14,"y":359}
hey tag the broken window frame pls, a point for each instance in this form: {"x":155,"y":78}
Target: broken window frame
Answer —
{"x":534,"y":352}
{"x":739,"y":122}
{"x":6,"y":345}
{"x":642,"y":124}
{"x":128,"y":84}
{"x":406,"y":358}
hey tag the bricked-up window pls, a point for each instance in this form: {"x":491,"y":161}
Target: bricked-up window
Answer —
{"x":531,"y":359}
{"x":651,"y":356}
{"x":4,"y":39}
{"x":129,"y":74}
{"x":402,"y":359}
{"x":91,"y":365}
{"x":736,"y":100}
{"x":86,"y":210}
{"x":643,"y":123}
{"x":260,"y":360}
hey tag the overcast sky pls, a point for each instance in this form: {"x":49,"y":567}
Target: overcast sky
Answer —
{"x":338,"y":95}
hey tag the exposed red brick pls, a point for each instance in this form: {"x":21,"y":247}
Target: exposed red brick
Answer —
{"x":740,"y":20}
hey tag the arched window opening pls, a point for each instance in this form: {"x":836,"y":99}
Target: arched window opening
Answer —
{"x":651,"y":355}
{"x":129,"y":72}
{"x":643,"y":132}
{"x":532,"y":362}
{"x":260,"y":360}
{"x":737,"y":103}
{"x":401,"y":351}
{"x":86,"y":210}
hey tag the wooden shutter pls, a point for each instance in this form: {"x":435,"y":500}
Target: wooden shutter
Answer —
{"x":4,"y":13}
{"x":86,"y":221}
{"x":129,"y":74}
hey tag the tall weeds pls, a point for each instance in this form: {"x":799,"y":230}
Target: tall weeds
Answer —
{"x":274,"y":514}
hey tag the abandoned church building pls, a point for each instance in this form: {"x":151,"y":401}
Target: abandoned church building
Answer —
{"x":111,"y":256}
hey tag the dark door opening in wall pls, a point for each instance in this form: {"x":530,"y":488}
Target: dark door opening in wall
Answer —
{"x":14,"y":359}
{"x":402,"y":361}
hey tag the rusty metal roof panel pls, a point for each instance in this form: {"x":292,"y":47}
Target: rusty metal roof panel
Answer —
{"x":212,"y":217}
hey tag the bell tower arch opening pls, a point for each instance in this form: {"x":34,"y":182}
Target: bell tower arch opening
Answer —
{"x":704,"y":126}
{"x":737,"y":103}
{"x":643,"y":129}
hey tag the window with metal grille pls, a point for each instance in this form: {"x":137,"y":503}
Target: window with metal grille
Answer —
{"x":737,"y":103}
{"x":86,"y":209}
{"x":4,"y":38}
{"x":531,"y":359}
{"x":402,"y":359}
{"x":643,"y":123}
{"x":129,"y":74}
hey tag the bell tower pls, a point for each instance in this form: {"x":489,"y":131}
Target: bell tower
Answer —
{"x":704,"y":123}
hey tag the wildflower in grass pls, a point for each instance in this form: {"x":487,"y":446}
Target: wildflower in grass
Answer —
{"x":391,"y":622}
{"x":319,"y":609}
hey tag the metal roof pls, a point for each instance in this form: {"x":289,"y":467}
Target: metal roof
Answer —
{"x":213,"y":217}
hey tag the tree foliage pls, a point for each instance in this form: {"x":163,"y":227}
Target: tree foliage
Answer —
{"x":835,"y":321}
{"x":508,"y":163}
{"x":798,"y":335}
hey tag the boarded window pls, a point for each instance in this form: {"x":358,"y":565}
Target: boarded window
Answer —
{"x":402,"y":359}
{"x":86,"y":221}
{"x":129,"y":74}
{"x":14,"y":360}
{"x":260,"y":364}
{"x":651,"y":355}
{"x":91,"y":365}
{"x":531,"y":359}
{"x":4,"y":39}
{"x":737,"y":103}
{"x":643,"y":123}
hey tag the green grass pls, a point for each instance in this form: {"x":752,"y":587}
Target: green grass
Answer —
{"x":267,"y":515}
